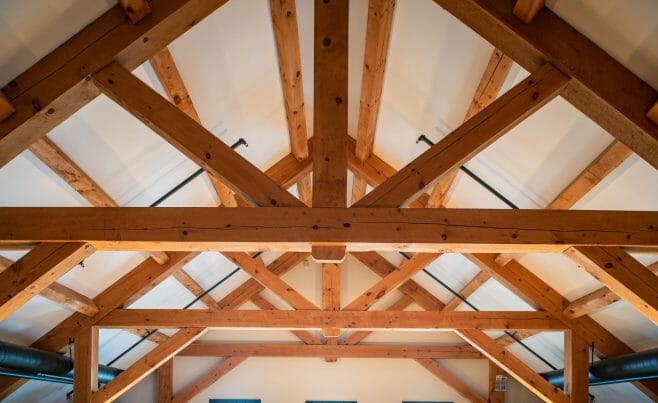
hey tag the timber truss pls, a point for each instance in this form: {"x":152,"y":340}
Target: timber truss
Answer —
{"x":99,"y":60}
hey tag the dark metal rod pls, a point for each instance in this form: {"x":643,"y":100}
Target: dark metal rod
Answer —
{"x":37,"y":377}
{"x":195,"y":300}
{"x":189,"y":179}
{"x":473,"y":176}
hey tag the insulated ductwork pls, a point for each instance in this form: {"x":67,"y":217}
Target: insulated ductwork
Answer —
{"x":37,"y":362}
{"x":626,"y":368}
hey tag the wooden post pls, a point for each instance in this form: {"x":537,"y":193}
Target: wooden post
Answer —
{"x":165,"y":376}
{"x":85,"y":365}
{"x":495,"y":396}
{"x":576,"y":368}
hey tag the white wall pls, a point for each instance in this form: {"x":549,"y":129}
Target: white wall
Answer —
{"x":287,"y":380}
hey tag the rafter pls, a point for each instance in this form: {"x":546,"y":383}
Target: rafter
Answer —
{"x":596,"y":87}
{"x":378,"y":32}
{"x":324,"y":350}
{"x":490,"y":84}
{"x":469,"y":289}
{"x":167,"y":72}
{"x":146,"y":365}
{"x":391,"y":281}
{"x":37,"y":270}
{"x":468,"y":139}
{"x":61,"y":294}
{"x":191,"y":138}
{"x":208,"y":379}
{"x":513,"y":366}
{"x":449,"y":379}
{"x":286,"y":35}
{"x":56,"y":86}
{"x":621,"y":273}
{"x":310,"y":319}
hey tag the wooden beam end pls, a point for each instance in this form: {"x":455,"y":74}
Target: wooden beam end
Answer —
{"x":653,"y":113}
{"x":328,"y":254}
{"x":136,"y":10}
{"x":526,"y":10}
{"x":6,"y":107}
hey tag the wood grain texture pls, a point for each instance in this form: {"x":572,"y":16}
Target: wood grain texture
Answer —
{"x":330,"y":294}
{"x":622,"y":274}
{"x":247,"y":229}
{"x":601,"y":87}
{"x":55,"y":87}
{"x":85,"y":361}
{"x":357,"y":336}
{"x":451,"y":380}
{"x":604,"y":164}
{"x":34,"y":272}
{"x":576,"y":368}
{"x":315,"y":319}
{"x":266,"y":305}
{"x":165,"y":382}
{"x":492,"y":80}
{"x":525,"y":375}
{"x":495,"y":396}
{"x":323,"y":350}
{"x":467,"y":140}
{"x":191,"y":138}
{"x":330,"y":114}
{"x":469,"y":289}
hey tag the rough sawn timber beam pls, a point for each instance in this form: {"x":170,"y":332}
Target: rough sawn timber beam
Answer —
{"x":57,"y":86}
{"x":601,"y":87}
{"x":283,"y":228}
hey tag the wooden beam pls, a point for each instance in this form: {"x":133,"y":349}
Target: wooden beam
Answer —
{"x":208,"y":379}
{"x":591,"y":303}
{"x":142,"y":276}
{"x":165,"y":379}
{"x":136,"y":10}
{"x":188,"y":282}
{"x":324,"y":350}
{"x":265,"y":305}
{"x":601,"y":87}
{"x":513,"y":366}
{"x":34,"y":272}
{"x":286,"y":35}
{"x":309,"y":319}
{"x":155,"y":337}
{"x":251,"y":287}
{"x":492,"y":80}
{"x":85,"y":362}
{"x":270,"y":280}
{"x":191,"y":138}
{"x":469,"y":289}
{"x":330,"y":115}
{"x":62,"y":295}
{"x":449,"y":379}
{"x":358,"y":336}
{"x":592,"y":175}
{"x":597,"y":299}
{"x":526,"y":10}
{"x":378,"y":32}
{"x":621,"y":273}
{"x":391,"y":281}
{"x":245,"y":229}
{"x":146,"y":365}
{"x":468,"y":139}
{"x":60,"y":163}
{"x":165,"y":69}
{"x":495,"y":396}
{"x":56,"y":86}
{"x":576,"y":368}
{"x":330,"y":294}
{"x":540,"y":295}
{"x":6,"y":108}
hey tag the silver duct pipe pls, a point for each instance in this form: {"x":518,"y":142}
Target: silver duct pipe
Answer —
{"x":34,"y":363}
{"x":625,"y":368}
